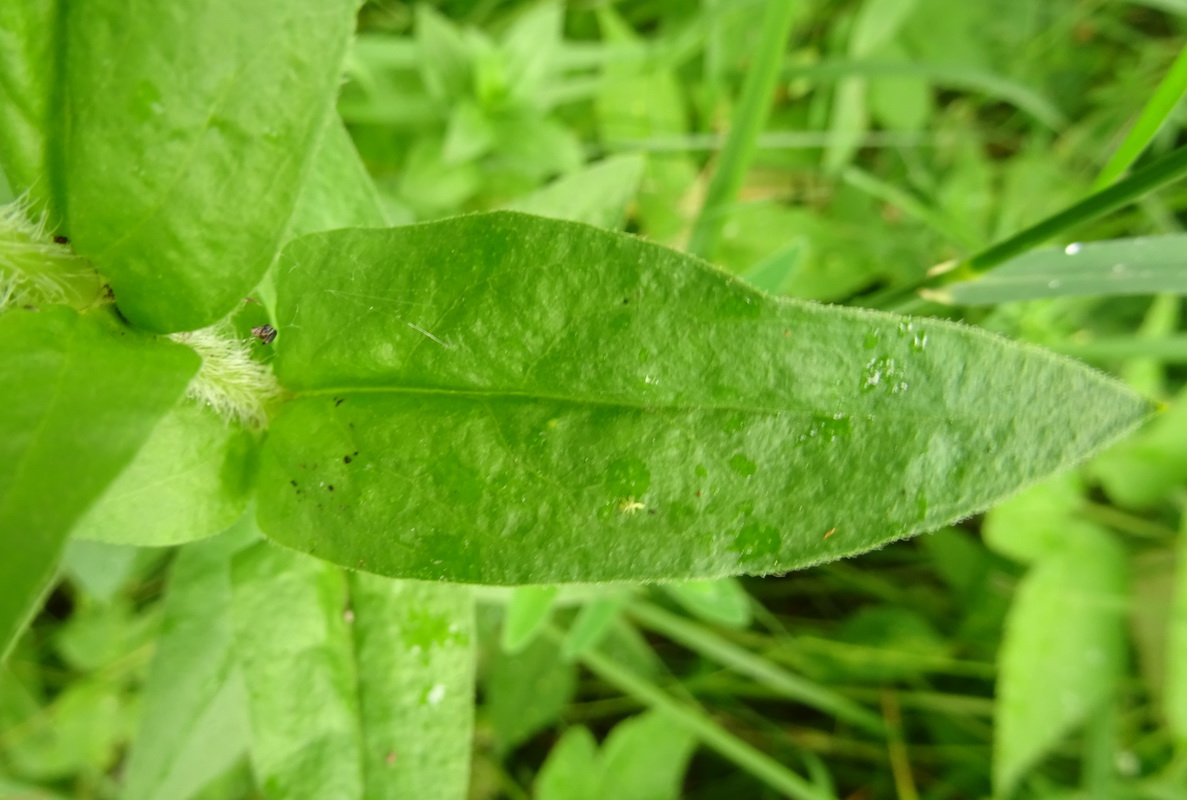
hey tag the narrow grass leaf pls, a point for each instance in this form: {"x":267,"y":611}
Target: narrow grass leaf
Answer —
{"x":184,"y":155}
{"x":1154,"y":114}
{"x":1157,"y":173}
{"x":193,"y":723}
{"x":534,"y":401}
{"x":704,"y":728}
{"x":753,"y":109}
{"x":1175,"y":696}
{"x":697,"y":638}
{"x":1142,"y":265}
{"x":81,"y":395}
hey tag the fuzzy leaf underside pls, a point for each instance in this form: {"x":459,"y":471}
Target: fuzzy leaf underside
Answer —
{"x":501,"y":398}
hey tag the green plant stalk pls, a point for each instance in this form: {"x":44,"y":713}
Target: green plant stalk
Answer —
{"x":747,"y":123}
{"x":697,"y":637}
{"x":1160,"y":105}
{"x":758,"y":764}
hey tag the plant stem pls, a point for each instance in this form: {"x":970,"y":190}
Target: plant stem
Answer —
{"x":748,"y":121}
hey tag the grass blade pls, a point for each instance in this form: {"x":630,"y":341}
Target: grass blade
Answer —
{"x":747,"y":123}
{"x":1156,"y":111}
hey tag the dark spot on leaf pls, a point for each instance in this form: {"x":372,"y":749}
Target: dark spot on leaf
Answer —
{"x":356,"y":452}
{"x":345,"y":459}
{"x":625,"y":300}
{"x":330,"y":487}
{"x":651,"y":511}
{"x":338,"y":401}
{"x":265,"y":333}
{"x":698,"y":494}
{"x":294,"y":483}
{"x":61,"y":240}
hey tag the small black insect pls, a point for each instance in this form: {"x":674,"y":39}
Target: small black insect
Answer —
{"x":265,"y":333}
{"x":61,"y":240}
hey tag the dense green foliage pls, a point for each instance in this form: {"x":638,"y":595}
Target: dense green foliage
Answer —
{"x":231,"y":319}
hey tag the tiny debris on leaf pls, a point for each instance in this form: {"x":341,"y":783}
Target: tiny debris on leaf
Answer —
{"x":265,"y":333}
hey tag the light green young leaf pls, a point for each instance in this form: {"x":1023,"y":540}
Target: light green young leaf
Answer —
{"x":720,"y":602}
{"x":644,"y":758}
{"x":533,"y":401}
{"x":99,"y":570}
{"x":445,"y":57}
{"x":526,"y":692}
{"x":185,"y":153}
{"x":81,"y":394}
{"x":528,"y":612}
{"x":572,"y":770}
{"x":193,"y":724}
{"x":189,"y":481}
{"x":338,"y":193}
{"x":597,"y":195}
{"x":359,"y":687}
{"x":591,"y":625}
{"x":530,"y":49}
{"x":1142,"y":265}
{"x":875,"y":25}
{"x":1063,"y":651}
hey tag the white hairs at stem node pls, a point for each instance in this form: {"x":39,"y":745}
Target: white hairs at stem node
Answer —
{"x":34,"y":269}
{"x":230,"y":381}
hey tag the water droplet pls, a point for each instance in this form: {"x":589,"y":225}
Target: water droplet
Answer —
{"x":1053,"y":284}
{"x":1073,"y":248}
{"x":882,"y":371}
{"x":436,"y":694}
{"x":1120,"y":269}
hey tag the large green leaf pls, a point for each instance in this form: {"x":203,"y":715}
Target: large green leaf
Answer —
{"x":192,"y":125}
{"x":359,"y":687}
{"x":81,"y":394}
{"x":507,"y":399}
{"x":193,"y":725}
